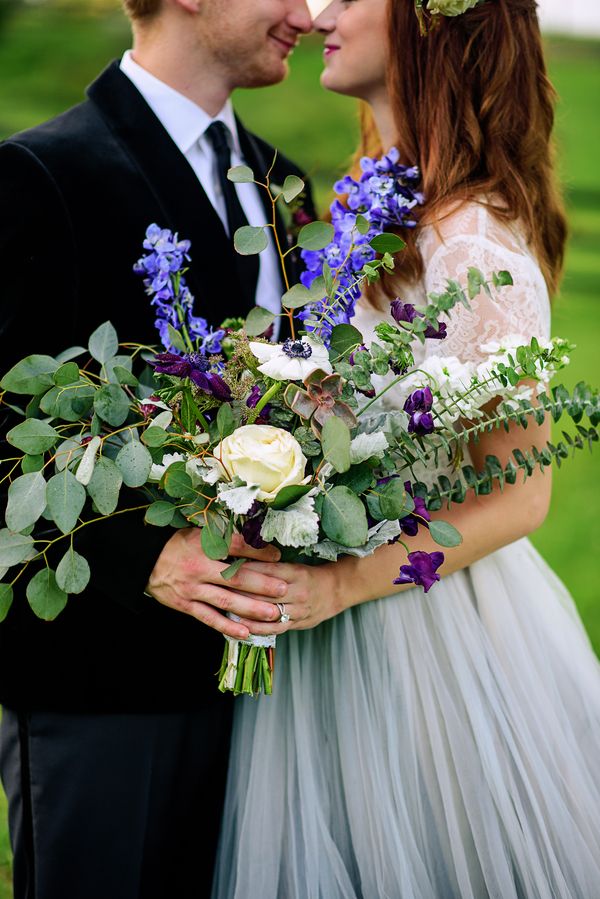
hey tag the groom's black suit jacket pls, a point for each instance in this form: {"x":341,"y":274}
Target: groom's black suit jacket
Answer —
{"x":76,"y":196}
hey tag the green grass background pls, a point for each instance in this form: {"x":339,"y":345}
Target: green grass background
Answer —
{"x":49,"y":53}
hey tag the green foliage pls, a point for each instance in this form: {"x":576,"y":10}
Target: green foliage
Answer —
{"x":26,"y":501}
{"x":134,"y":462}
{"x":33,"y":436}
{"x":105,"y":485}
{"x":315,"y":236}
{"x":335,"y":440}
{"x":241,"y":174}
{"x":258,"y":320}
{"x":344,"y":519}
{"x":250,"y":240}
{"x":45,"y":596}
{"x":30,"y":376}
{"x":73,"y":572}
{"x":66,"y":498}
{"x":103,"y":343}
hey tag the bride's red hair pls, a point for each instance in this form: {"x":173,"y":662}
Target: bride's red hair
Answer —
{"x":474,"y":108}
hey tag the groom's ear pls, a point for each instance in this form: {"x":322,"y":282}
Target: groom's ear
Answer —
{"x":191,"y":6}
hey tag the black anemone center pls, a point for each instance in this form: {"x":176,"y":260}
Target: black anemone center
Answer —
{"x":297,"y":349}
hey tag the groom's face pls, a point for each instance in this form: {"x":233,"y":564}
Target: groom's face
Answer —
{"x":251,"y":40}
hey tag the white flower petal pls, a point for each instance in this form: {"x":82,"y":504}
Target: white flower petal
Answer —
{"x":238,"y":499}
{"x":364,"y":446}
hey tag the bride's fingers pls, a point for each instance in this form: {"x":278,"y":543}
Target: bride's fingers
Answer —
{"x":239,"y":547}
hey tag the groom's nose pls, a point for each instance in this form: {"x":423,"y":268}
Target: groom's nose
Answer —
{"x":299,"y":17}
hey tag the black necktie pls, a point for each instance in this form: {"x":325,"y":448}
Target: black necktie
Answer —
{"x":247,"y":266}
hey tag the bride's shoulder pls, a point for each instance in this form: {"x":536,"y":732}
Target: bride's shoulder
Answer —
{"x":470,"y":222}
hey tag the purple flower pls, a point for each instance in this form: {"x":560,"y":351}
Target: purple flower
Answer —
{"x":422,"y":569}
{"x":163,"y":269}
{"x":385,"y":196}
{"x":406,"y":312}
{"x":419,"y":516}
{"x":196,"y":367}
{"x":252,"y":402}
{"x":418,"y":406}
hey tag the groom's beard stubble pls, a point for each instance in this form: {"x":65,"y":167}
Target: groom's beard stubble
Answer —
{"x":245,"y":53}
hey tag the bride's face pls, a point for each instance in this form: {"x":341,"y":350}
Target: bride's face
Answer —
{"x":356,"y":37}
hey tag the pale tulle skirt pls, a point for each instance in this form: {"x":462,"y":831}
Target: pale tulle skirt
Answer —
{"x":424,"y":747}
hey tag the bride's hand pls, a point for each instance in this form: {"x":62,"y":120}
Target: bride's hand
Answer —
{"x":186,"y":580}
{"x":313,"y":595}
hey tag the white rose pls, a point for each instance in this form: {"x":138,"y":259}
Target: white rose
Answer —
{"x":262,"y":455}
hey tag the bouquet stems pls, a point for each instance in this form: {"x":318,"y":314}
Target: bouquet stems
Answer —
{"x":247,"y":666}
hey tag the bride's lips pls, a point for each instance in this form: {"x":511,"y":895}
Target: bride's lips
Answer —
{"x":286,"y":45}
{"x":330,"y":49}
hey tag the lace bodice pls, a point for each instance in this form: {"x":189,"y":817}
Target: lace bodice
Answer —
{"x":472,"y":236}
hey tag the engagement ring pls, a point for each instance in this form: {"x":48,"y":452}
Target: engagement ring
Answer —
{"x":283,"y":617}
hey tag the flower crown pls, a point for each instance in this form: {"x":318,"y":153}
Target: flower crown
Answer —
{"x":448,"y":8}
{"x":445,"y":7}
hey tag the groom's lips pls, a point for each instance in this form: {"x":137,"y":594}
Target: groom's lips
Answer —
{"x":329,"y":49}
{"x":287,"y":45}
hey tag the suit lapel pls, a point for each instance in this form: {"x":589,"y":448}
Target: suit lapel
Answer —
{"x":183,"y":203}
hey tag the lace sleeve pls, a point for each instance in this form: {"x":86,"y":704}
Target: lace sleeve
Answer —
{"x":472,"y":237}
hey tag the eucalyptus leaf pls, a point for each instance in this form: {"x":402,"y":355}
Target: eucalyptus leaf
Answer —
{"x":292,"y":187}
{"x":68,"y":373}
{"x":177,"y":482}
{"x":123,"y":375}
{"x":104,"y":343}
{"x":392,"y":498}
{"x":30,"y":376}
{"x":111,"y":403}
{"x":85,"y":469}
{"x":316,"y":236}
{"x":362,"y":225}
{"x":134,"y":462}
{"x":6,"y":599}
{"x":45,"y":596}
{"x":444,"y":533}
{"x":387,"y":243}
{"x":226,"y":574}
{"x":160,"y":514}
{"x":213,"y":542}
{"x":344,"y":518}
{"x":71,"y":353}
{"x":335,"y":439}
{"x":225,"y":420}
{"x":258,"y":321}
{"x":344,"y":338}
{"x":33,"y":436}
{"x":241,"y":174}
{"x":154,"y":436}
{"x":32,"y":463}
{"x":26,"y":501}
{"x":73,"y":572}
{"x":14,"y":548}
{"x":289,"y":495}
{"x":66,"y":499}
{"x":250,"y":240}
{"x":105,"y":485}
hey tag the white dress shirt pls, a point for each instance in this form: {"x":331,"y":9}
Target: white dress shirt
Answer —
{"x":186,"y":124}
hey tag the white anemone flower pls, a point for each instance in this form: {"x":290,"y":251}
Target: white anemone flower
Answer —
{"x":293,"y":360}
{"x":158,"y":470}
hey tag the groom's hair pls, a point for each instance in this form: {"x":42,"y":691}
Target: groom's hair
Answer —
{"x":141,"y":9}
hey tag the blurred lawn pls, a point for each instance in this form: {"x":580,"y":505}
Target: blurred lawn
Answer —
{"x":48,"y":55}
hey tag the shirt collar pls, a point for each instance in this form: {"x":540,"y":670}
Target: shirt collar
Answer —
{"x":183,"y":119}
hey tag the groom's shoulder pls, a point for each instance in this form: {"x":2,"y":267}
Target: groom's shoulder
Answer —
{"x":57,"y":141}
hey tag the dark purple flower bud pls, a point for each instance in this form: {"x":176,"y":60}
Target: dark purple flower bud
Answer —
{"x":254,"y":397}
{"x":251,"y":529}
{"x":402,"y":312}
{"x":422,"y":569}
{"x":439,"y":334}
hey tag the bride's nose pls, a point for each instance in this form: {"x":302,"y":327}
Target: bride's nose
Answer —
{"x":324,"y":14}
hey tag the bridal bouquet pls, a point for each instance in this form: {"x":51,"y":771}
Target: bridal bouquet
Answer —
{"x":285,"y":443}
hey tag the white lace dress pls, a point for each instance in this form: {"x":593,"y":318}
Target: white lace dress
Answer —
{"x":430,"y":746}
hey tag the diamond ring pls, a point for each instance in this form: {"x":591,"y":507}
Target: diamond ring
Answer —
{"x":283,"y":617}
